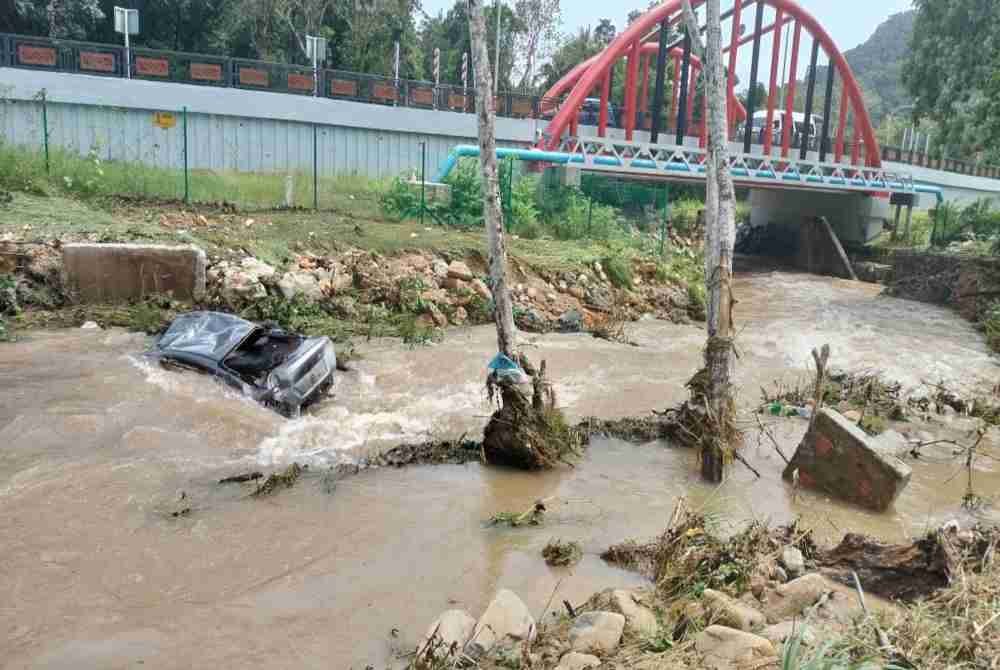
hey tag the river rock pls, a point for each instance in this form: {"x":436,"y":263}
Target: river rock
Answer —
{"x":779,"y":574}
{"x":506,"y":620}
{"x":578,"y":292}
{"x":459,"y":316}
{"x":726,"y":648}
{"x":571,"y":321}
{"x":837,"y":457}
{"x":793,"y":561}
{"x":732,"y":613}
{"x":577,"y":661}
{"x":481,"y":289}
{"x":90,"y":325}
{"x":459,"y":270}
{"x":439,"y":268}
{"x":451,"y":630}
{"x":598,"y":632}
{"x":638,"y":619}
{"x":779,"y":633}
{"x":453,"y":284}
{"x":791,"y":599}
{"x":440,"y":320}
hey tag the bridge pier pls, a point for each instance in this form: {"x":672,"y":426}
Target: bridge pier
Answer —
{"x":855,"y":219}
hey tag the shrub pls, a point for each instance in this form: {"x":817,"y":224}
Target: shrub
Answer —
{"x":991,"y":325}
{"x":399,"y":201}
{"x":619,"y":271}
{"x":697,"y":302}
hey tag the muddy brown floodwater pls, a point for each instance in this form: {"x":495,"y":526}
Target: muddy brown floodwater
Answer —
{"x":97,"y":448}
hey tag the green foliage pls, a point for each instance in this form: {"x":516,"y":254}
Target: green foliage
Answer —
{"x":619,"y":271}
{"x":795,"y":655}
{"x":697,"y":301}
{"x":684,"y":215}
{"x":946,"y":226}
{"x":952,"y":73}
{"x":466,"y":209}
{"x":991,"y":325}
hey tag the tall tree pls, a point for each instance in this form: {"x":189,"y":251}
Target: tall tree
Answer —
{"x":503,"y":310}
{"x":952,"y":72}
{"x":68,"y":19}
{"x":714,"y":384}
{"x":605,"y":32}
{"x":540,"y":20}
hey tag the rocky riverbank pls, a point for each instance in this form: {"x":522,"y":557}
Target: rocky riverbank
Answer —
{"x":764,"y":598}
{"x":411,"y":293}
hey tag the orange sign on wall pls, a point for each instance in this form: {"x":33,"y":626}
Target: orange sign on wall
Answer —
{"x":250,"y":76}
{"x":300,"y":82}
{"x":152,"y":67}
{"x":384,"y":92}
{"x":94,"y":60}
{"x":206,"y":71}
{"x":31,"y":55}
{"x":344,"y":87}
{"x":422,"y":96}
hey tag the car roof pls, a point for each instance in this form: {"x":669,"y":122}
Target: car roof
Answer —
{"x":209,"y":334}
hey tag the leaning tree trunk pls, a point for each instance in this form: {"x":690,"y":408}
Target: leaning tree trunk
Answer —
{"x":526,"y":431}
{"x":720,"y":214}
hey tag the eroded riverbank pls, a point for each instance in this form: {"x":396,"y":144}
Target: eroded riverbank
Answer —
{"x":99,"y":447}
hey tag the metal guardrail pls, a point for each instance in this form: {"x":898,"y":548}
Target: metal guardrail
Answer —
{"x":41,"y":53}
{"x":920,"y":159}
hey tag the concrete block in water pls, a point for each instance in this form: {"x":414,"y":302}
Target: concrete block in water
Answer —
{"x":838,"y":457}
{"x":113,"y":272}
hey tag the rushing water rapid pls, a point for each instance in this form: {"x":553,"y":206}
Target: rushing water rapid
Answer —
{"x":97,"y":448}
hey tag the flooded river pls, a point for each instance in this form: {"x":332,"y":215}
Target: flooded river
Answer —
{"x":97,"y":449}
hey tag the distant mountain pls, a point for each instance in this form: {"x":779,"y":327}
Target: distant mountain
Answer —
{"x":878,"y":65}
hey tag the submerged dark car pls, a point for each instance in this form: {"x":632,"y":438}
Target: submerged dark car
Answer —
{"x":281,"y":370}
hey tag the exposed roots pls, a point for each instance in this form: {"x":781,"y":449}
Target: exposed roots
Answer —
{"x":529,"y":434}
{"x":279,"y":480}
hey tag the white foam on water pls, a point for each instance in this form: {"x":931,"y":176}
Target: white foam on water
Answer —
{"x":329,"y":437}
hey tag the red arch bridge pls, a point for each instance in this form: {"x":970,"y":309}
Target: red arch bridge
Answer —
{"x":776,"y":147}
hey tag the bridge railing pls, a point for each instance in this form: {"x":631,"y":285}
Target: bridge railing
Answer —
{"x":41,"y":53}
{"x":920,"y":159}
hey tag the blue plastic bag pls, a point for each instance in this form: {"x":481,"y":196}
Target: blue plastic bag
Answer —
{"x":505,"y":369}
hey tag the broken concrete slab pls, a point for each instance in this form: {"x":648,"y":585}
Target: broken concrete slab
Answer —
{"x":837,"y":457}
{"x":114,"y":272}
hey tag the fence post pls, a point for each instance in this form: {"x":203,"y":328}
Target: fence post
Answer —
{"x":423,"y":181}
{"x":315,"y":170}
{"x":184,"y":129}
{"x":45,"y":132}
{"x":590,"y":215}
{"x":666,"y":215}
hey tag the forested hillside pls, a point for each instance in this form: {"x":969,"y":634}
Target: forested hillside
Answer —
{"x":878,"y":65}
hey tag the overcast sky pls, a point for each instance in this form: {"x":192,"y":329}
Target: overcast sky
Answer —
{"x":849,"y":22}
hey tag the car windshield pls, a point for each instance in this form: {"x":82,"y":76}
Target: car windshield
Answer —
{"x":209,"y":334}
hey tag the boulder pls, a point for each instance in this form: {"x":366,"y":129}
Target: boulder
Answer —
{"x":837,"y":457}
{"x":791,"y":599}
{"x":459,"y":270}
{"x":453,"y":284}
{"x":439,"y":268}
{"x":577,"y":661}
{"x":481,"y":289}
{"x":732,"y":613}
{"x":638,"y":618}
{"x":459,"y":316}
{"x":506,"y":620}
{"x":571,"y":321}
{"x":450,"y":631}
{"x":120,"y":272}
{"x":779,"y":633}
{"x":794,"y":561}
{"x":440,"y":320}
{"x":725,"y":648}
{"x":578,"y":292}
{"x":303,"y":284}
{"x":598,"y":632}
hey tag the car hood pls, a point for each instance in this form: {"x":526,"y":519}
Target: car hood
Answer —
{"x":209,"y":334}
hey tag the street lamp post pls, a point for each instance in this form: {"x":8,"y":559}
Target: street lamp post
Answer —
{"x":127,"y":23}
{"x":316,"y":51}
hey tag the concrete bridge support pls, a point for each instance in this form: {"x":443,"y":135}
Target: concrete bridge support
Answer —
{"x":797,"y":219}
